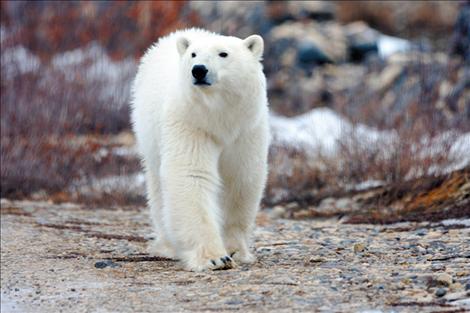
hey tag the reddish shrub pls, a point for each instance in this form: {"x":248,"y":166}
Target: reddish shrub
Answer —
{"x":123,"y":28}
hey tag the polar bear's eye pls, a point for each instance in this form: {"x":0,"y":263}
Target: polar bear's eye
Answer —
{"x":223,"y":54}
{"x":193,"y":55}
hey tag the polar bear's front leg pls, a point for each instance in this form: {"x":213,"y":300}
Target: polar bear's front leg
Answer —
{"x":190,"y":187}
{"x":244,"y":171}
{"x":159,"y":245}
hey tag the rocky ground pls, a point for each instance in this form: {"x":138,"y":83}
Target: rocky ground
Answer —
{"x":70,"y":258}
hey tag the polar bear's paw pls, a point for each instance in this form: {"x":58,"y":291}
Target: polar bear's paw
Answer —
{"x":220,"y":263}
{"x":246,"y":257}
{"x":161,"y":248}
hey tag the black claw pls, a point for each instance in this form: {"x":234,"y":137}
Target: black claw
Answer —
{"x":232,"y":254}
{"x":223,"y":260}
{"x":213,"y":262}
{"x":228,"y":259}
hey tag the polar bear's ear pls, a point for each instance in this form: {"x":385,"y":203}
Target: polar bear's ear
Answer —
{"x":182,"y":44}
{"x":255,"y":44}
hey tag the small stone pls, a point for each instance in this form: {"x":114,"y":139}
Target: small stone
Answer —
{"x":302,"y":214}
{"x":292,"y":206}
{"x":440,"y":292}
{"x":421,"y":232}
{"x":316,"y":259}
{"x":456,"y":287}
{"x":359,"y":52}
{"x":421,"y":250}
{"x":101,"y":264}
{"x":234,"y":302}
{"x":284,"y":281}
{"x":406,"y":281}
{"x":434,"y":235}
{"x":106,"y":263}
{"x":359,"y":247}
{"x":344,"y":203}
{"x":438,"y":267}
{"x":444,"y":279}
{"x":467,"y":286}
{"x":309,"y":53}
{"x":278,"y":211}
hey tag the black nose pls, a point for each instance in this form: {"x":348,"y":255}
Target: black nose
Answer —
{"x":199,"y":71}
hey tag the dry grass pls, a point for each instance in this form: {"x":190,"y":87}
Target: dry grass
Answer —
{"x":298,"y":175}
{"x":430,"y":198}
{"x":42,"y":109}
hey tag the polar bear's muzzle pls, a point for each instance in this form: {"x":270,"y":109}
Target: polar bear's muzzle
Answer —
{"x":199,"y":72}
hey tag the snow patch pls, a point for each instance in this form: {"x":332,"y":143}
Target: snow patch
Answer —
{"x":319,"y":130}
{"x":388,"y":45}
{"x":90,"y":65}
{"x":101,"y":66}
{"x":460,"y":151}
{"x":134,"y":183}
{"x":450,"y":222}
{"x":18,"y":60}
{"x":97,"y":67}
{"x":368,"y":184}
{"x":125,"y":151}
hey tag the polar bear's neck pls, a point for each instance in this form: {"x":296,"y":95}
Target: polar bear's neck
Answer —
{"x":224,"y":113}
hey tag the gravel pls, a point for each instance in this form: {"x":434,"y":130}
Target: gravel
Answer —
{"x":99,"y":262}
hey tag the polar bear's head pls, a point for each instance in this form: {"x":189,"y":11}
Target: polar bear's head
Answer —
{"x":210,"y":62}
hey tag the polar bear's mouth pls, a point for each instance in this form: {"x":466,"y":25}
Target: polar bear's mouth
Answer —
{"x":202,"y":83}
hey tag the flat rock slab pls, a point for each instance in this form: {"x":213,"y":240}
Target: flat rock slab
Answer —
{"x":71,"y":258}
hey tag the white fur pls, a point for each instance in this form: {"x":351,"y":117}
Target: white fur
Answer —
{"x":204,"y":148}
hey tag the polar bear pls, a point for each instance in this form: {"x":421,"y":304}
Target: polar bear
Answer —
{"x":200,"y":116}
